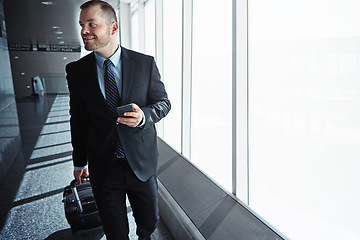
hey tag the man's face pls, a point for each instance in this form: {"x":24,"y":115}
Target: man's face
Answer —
{"x":95,"y":29}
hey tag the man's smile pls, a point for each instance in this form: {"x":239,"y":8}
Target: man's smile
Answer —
{"x":88,"y":38}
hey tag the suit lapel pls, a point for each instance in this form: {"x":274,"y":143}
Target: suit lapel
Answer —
{"x":127,"y":67}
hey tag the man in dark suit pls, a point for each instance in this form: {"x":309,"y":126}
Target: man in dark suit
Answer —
{"x":121,"y":152}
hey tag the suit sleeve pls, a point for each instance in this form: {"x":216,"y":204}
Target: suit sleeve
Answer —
{"x":78,"y":116}
{"x":159,"y":104}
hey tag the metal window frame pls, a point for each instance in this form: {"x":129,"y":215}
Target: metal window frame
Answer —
{"x":240,"y":102}
{"x":186,"y":78}
{"x":240,"y":121}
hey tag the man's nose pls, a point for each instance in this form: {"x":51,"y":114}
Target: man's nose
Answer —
{"x":84,"y":30}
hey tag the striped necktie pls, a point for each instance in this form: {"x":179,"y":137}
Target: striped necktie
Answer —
{"x":112,"y":98}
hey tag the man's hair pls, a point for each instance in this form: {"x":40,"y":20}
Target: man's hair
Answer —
{"x":106,"y":8}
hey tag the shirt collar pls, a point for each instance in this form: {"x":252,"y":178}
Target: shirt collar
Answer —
{"x":115,"y":58}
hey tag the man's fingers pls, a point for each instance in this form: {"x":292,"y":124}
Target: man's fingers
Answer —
{"x":131,"y":114}
{"x":132,"y":119}
{"x":135,"y":107}
{"x":131,"y":122}
{"x":78,"y":174}
{"x":85,"y":179}
{"x":78,"y":180}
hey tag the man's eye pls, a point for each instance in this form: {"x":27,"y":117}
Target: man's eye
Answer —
{"x":92,"y":25}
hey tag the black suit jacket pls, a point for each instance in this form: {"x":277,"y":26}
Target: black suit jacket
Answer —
{"x":93,"y":127}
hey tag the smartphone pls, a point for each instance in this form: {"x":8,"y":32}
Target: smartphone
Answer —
{"x":123,"y":109}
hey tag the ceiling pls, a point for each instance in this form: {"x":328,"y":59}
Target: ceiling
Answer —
{"x":35,"y":22}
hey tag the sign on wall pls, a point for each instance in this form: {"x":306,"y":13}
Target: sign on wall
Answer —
{"x":44,"y":47}
{"x":58,"y":48}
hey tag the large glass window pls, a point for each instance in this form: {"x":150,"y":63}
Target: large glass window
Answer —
{"x":211,"y":89}
{"x":150,"y":27}
{"x":172,"y":36}
{"x":135,"y":44}
{"x":304,"y":116}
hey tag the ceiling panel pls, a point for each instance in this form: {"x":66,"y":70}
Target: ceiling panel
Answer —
{"x":33,"y":22}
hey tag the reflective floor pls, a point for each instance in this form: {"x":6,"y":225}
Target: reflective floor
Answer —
{"x":31,"y":206}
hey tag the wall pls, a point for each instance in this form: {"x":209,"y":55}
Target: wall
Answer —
{"x":9,"y":125}
{"x":27,"y":64}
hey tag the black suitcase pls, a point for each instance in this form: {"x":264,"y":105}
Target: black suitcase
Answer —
{"x":80,"y":207}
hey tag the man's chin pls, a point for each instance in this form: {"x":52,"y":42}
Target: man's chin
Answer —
{"x":89,"y":47}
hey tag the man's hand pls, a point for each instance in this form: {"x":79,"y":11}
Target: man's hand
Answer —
{"x":132,"y":119}
{"x":79,"y":173}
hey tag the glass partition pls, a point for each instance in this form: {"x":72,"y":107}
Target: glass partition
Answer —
{"x":172,"y":27}
{"x":150,"y":28}
{"x":135,"y":44}
{"x":211,"y":89}
{"x":304,"y":112}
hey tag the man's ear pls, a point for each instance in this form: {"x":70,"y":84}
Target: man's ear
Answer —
{"x":114,"y":28}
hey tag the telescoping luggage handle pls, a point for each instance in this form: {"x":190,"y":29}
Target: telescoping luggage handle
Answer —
{"x":76,"y":195}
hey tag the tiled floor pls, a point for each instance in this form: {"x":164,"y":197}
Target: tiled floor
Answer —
{"x":39,"y":174}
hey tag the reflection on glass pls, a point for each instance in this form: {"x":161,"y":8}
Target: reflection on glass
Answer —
{"x":9,"y":124}
{"x":10,"y":141}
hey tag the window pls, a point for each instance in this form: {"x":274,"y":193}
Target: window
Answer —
{"x":150,"y":28}
{"x":135,"y":44}
{"x":172,"y":70}
{"x":304,"y":112}
{"x":211,"y":89}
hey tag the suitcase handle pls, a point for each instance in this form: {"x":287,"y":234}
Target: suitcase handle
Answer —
{"x":76,"y":195}
{"x":73,"y":182}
